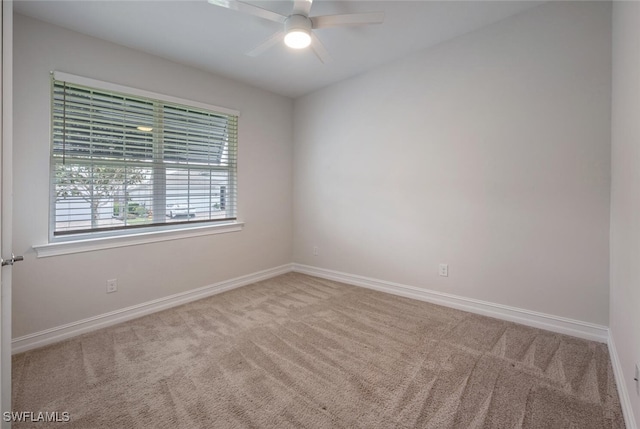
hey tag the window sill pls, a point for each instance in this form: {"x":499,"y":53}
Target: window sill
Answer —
{"x":90,"y":245}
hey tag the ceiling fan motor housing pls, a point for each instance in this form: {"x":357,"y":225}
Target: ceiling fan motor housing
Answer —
{"x":297,"y":23}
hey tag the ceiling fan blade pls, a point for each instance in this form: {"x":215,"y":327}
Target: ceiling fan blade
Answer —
{"x":301,"y":7}
{"x":318,"y":48}
{"x":348,"y":19}
{"x":250,"y":9}
{"x":278,"y":37}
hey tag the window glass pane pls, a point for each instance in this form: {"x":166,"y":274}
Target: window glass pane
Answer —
{"x":100,"y":196}
{"x":197,"y":194}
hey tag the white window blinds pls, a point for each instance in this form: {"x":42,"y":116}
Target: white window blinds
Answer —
{"x":122,"y":161}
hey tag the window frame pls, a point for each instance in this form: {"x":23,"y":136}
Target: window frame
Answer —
{"x":153,"y":231}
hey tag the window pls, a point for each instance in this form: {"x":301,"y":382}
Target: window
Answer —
{"x":121,"y":161}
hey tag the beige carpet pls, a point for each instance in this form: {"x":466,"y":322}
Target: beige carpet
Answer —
{"x":300,"y":352}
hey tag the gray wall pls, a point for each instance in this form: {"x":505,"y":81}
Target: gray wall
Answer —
{"x":489,"y":152}
{"x":625,"y":193}
{"x":53,"y":291}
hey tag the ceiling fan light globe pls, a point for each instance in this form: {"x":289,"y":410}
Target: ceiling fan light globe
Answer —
{"x":297,"y":39}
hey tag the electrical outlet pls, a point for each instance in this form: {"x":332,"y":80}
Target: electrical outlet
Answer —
{"x":316,"y":251}
{"x":443,"y":270}
{"x":637,"y":379}
{"x":112,"y":285}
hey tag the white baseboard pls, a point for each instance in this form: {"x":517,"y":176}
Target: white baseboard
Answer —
{"x":59,"y":333}
{"x":526,"y":317}
{"x":623,"y":393}
{"x":549,"y":322}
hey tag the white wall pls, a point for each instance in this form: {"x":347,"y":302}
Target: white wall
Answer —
{"x":625,"y":193}
{"x":53,"y":291}
{"x":489,"y":152}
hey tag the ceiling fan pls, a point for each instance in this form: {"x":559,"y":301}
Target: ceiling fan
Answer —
{"x":299,"y":26}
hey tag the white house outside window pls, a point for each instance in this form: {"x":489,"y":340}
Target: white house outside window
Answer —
{"x":123,"y":162}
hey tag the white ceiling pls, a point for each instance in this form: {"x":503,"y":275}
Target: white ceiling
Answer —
{"x":216,"y":39}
